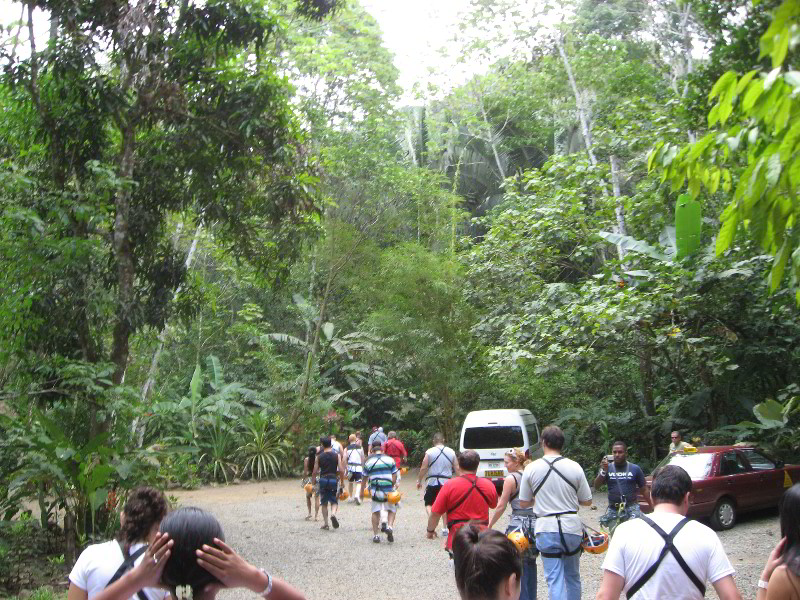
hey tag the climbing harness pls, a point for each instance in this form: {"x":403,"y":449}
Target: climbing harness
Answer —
{"x":669,"y":546}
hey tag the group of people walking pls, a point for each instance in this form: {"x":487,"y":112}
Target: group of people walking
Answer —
{"x":328,"y":466}
{"x":182,"y":554}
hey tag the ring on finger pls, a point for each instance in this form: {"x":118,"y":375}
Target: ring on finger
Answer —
{"x":155,"y":560}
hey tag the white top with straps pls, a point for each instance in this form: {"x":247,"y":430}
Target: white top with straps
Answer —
{"x":440,"y":464}
{"x":556,"y":495}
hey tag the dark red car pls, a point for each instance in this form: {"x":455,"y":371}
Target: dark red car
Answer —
{"x":728,"y":480}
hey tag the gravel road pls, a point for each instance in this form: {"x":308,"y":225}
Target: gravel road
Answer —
{"x":265,"y":523}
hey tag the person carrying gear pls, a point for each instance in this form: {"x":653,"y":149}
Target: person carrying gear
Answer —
{"x":625,"y":482}
{"x":465,"y":499}
{"x":395,"y":448}
{"x":558,"y":487}
{"x":665,"y":555}
{"x":328,"y":468}
{"x":438,"y":466}
{"x":381,"y":471}
{"x":377,"y":434}
{"x":354,"y":460}
{"x":522,"y":522}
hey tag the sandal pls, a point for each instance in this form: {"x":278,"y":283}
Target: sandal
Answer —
{"x":325,"y":527}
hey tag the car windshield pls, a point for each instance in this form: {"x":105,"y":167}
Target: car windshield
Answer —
{"x":698,"y":466}
{"x":506,"y":436}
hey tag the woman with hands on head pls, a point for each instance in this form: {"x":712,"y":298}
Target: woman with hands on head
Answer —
{"x":99,"y":563}
{"x":780,"y":578}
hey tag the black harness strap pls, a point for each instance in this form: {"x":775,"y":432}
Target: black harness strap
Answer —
{"x":460,"y":501}
{"x":430,"y":464}
{"x":517,"y":481}
{"x":668,"y":547}
{"x":127,"y":564}
{"x":552,"y":469}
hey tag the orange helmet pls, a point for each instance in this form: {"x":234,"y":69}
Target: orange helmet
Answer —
{"x":520,"y":540}
{"x":595,"y":543}
{"x":404,"y":470}
{"x":344,"y":495}
{"x":308,"y":488}
{"x":394,"y":497}
{"x":366,"y":493}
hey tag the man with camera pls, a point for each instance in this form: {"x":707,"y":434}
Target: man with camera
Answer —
{"x":625,"y":481}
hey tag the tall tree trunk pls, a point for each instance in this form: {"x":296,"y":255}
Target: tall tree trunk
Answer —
{"x":647,"y":379}
{"x":582,"y":116}
{"x":123,"y":253}
{"x":619,"y":210}
{"x":490,"y":139}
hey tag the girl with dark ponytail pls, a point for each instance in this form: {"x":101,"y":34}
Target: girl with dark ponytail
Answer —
{"x":143,"y":512}
{"x":487,"y":565}
{"x":308,"y":468}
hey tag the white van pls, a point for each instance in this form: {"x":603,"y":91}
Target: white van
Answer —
{"x":492,"y":433}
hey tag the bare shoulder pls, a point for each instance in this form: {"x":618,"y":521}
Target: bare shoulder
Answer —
{"x":783,"y":584}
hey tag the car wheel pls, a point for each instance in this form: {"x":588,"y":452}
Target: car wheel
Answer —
{"x":724,"y":515}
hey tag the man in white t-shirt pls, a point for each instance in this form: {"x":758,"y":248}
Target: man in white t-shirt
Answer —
{"x":555,"y":487}
{"x":665,"y":555}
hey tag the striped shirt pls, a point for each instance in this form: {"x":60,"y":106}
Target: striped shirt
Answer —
{"x":380,"y":468}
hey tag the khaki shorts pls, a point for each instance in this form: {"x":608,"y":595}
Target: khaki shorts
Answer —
{"x":387,"y":506}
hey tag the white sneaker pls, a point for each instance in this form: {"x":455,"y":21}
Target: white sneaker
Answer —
{"x":445,"y":531}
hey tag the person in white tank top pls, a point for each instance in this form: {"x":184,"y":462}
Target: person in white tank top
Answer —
{"x":438,"y":467}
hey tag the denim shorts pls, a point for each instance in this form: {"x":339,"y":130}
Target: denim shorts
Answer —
{"x":328,"y":489}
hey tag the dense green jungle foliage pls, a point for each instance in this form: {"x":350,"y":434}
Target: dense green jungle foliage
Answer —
{"x":223,"y":233}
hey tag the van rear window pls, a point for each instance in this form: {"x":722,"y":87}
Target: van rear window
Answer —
{"x":506,"y":436}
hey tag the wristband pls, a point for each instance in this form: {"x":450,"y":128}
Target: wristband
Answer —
{"x":762,"y":584}
{"x":267,"y":589}
{"x":601,"y":473}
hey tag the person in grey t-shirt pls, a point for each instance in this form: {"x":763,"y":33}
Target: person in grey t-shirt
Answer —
{"x":556,"y":487}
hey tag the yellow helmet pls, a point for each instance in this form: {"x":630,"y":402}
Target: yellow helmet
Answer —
{"x":344,"y":495}
{"x":520,"y":540}
{"x":308,"y":488}
{"x":366,"y":493}
{"x":404,"y":470}
{"x":394,"y":497}
{"x":595,"y":543}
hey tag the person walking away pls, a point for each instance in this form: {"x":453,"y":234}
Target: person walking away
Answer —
{"x":382,"y":473}
{"x":558,"y":486}
{"x":328,"y":468}
{"x":676,"y":444}
{"x":438,"y":466}
{"x":780,"y":579}
{"x":666,"y":555}
{"x":377,"y":434}
{"x":99,"y":564}
{"x":522,"y":519}
{"x":487,"y":565}
{"x":354,"y":457}
{"x":308,"y":469}
{"x":465,"y":499}
{"x":625,"y":481}
{"x":394,"y":447}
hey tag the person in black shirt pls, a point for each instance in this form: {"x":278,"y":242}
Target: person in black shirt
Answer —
{"x":625,"y":482}
{"x":328,"y":468}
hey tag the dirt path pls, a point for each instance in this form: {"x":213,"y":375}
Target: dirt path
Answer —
{"x":265,"y":523}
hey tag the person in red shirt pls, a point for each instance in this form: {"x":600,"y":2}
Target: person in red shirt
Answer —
{"x":395,"y":448}
{"x":466,"y":499}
